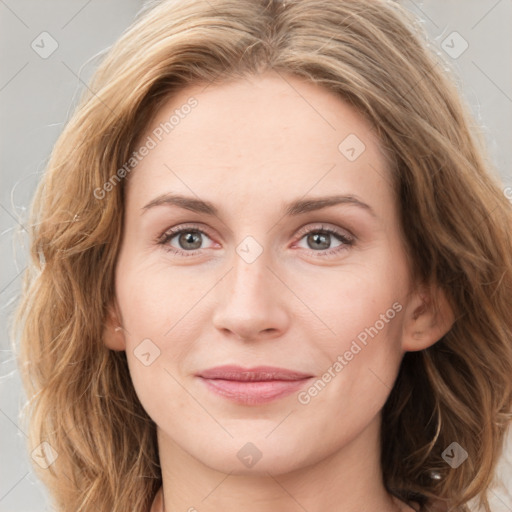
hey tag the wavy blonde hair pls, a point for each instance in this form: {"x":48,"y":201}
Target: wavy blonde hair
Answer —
{"x":454,"y":215}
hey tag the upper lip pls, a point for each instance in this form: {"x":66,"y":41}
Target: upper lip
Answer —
{"x":255,"y":374}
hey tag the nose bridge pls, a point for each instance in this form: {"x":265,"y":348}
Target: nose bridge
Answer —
{"x":250,"y":275}
{"x":251,"y":302}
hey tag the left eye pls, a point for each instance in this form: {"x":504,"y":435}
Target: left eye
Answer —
{"x":319,"y":240}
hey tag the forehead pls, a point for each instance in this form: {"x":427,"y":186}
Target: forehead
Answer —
{"x":262,"y":134}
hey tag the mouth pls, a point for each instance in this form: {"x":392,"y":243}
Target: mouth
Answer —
{"x":253,"y":386}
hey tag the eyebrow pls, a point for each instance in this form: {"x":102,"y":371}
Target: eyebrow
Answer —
{"x":294,"y":208}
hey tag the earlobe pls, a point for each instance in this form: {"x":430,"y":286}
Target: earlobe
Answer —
{"x":113,"y":332}
{"x":428,"y":317}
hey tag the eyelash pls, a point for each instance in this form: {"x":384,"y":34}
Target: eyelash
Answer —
{"x":168,"y":235}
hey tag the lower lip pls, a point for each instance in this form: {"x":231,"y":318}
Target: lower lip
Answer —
{"x":254,"y":393}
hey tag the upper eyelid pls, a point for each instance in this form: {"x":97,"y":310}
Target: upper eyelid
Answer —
{"x":325,"y":227}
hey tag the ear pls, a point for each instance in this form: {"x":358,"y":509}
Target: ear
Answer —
{"x":113,"y":331}
{"x":428,"y":317}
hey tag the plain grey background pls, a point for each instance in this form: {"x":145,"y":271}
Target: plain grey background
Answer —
{"x":39,"y":89}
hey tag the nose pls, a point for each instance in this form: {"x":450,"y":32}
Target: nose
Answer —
{"x":251,"y":302}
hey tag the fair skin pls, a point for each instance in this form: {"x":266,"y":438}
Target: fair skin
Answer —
{"x":250,"y":147}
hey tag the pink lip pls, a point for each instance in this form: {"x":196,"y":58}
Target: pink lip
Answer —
{"x":252,"y":386}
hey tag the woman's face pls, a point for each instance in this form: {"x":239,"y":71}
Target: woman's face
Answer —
{"x":290,"y":256}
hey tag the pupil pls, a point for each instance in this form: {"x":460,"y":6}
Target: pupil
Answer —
{"x":188,"y":238}
{"x":318,"y":239}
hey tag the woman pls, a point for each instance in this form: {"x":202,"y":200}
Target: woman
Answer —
{"x":271,"y":271}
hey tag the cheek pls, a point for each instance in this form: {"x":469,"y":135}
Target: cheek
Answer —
{"x":360,"y":366}
{"x":154,"y":300}
{"x":367,"y":351}
{"x":363,"y":306}
{"x":360,"y":302}
{"x":151,"y":309}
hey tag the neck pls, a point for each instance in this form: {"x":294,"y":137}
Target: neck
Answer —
{"x":347,"y":480}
